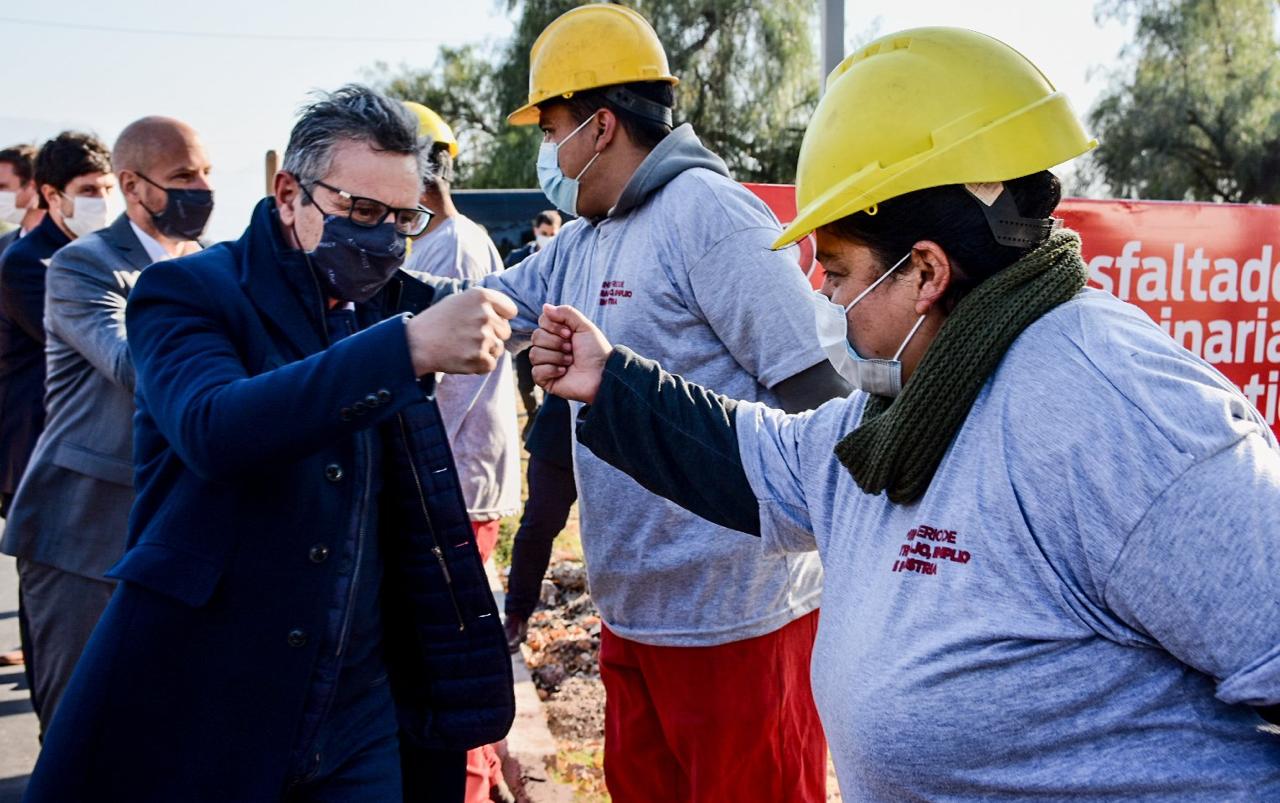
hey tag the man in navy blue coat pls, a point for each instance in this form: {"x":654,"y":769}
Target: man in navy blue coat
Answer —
{"x":302,"y":614}
{"x":76,"y":187}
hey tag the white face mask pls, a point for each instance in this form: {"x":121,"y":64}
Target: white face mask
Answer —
{"x":877,"y":376}
{"x":543,"y":240}
{"x":10,"y":212}
{"x":90,"y":214}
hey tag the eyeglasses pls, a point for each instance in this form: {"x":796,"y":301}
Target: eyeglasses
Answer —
{"x":368,"y":212}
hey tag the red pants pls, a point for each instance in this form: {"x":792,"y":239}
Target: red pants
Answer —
{"x":484,"y":768}
{"x":734,"y":722}
{"x":486,"y":533}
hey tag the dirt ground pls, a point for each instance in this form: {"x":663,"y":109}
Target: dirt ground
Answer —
{"x":562,"y":651}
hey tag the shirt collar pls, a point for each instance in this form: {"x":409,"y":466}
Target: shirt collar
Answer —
{"x":152,"y":246}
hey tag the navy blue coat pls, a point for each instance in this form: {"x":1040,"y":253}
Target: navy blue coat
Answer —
{"x":22,"y":269}
{"x":194,"y":683}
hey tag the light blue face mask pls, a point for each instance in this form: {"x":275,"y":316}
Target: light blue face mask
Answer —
{"x":560,"y":190}
{"x":877,"y":376}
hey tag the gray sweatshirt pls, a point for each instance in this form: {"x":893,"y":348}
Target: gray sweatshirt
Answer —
{"x":1083,"y":605}
{"x":680,"y":270}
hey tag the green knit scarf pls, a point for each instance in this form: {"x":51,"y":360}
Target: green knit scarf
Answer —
{"x":900,"y":442}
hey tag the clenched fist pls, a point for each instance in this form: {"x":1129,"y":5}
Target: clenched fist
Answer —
{"x":569,"y":353}
{"x":463,"y":334}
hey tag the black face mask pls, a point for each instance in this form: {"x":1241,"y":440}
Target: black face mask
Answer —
{"x":354,"y":262}
{"x":185,"y":214}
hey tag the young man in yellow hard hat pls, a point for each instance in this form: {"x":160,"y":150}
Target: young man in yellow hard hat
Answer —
{"x":706,"y":640}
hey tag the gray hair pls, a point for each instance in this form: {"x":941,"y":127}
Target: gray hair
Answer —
{"x":353,"y":112}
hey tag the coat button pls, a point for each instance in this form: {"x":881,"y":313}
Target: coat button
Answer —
{"x":297,"y":638}
{"x":384,"y":396}
{"x":333,"y":472}
{"x":318,"y":553}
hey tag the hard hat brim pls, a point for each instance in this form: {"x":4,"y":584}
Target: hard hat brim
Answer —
{"x":527,"y":114}
{"x":794,"y":232}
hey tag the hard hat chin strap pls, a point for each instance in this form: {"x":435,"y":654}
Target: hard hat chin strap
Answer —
{"x":640,"y":107}
{"x":1008,"y":226}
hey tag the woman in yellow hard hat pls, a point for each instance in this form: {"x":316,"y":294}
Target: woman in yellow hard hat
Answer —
{"x":1045,"y":526}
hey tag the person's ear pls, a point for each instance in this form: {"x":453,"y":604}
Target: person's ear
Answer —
{"x":52,"y":198}
{"x":128,"y":183}
{"x":932,"y":276}
{"x":607,"y":126}
{"x":286,"y":190}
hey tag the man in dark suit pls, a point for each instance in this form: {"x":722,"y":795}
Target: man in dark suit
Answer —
{"x":301,"y":614}
{"x":18,"y":207}
{"x":69,"y":518}
{"x":73,"y":174}
{"x":73,"y":180}
{"x":18,"y":195}
{"x":546,"y":224}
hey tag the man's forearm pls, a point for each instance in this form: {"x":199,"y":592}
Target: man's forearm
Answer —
{"x":443,"y":287}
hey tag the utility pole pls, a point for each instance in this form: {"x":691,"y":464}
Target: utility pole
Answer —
{"x":272,"y":165}
{"x":832,"y":37}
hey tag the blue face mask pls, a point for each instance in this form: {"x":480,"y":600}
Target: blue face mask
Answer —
{"x":560,"y":190}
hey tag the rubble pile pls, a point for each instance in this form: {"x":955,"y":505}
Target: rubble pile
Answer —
{"x":562,"y":651}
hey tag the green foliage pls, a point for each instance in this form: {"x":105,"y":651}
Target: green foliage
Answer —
{"x":507,"y":528}
{"x":749,"y":82}
{"x":461,"y":86}
{"x":1196,"y":113}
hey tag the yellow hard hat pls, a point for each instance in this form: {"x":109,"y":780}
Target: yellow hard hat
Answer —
{"x":433,"y":125}
{"x":599,"y":44}
{"x":925,"y":108}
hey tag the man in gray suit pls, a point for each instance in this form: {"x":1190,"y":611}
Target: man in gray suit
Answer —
{"x":68,"y":522}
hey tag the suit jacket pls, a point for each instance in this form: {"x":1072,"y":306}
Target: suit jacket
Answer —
{"x":71,"y":510}
{"x":197,"y":677}
{"x":22,"y":269}
{"x":520,"y":254}
{"x":6,"y":326}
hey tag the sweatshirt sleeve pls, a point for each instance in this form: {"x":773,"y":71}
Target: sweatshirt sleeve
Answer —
{"x":527,"y":285}
{"x":769,"y":442}
{"x":1200,"y":573}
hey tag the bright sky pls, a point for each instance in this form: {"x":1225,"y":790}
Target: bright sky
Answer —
{"x":93,"y":65}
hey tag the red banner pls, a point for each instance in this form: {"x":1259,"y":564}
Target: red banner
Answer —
{"x":1207,"y":274}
